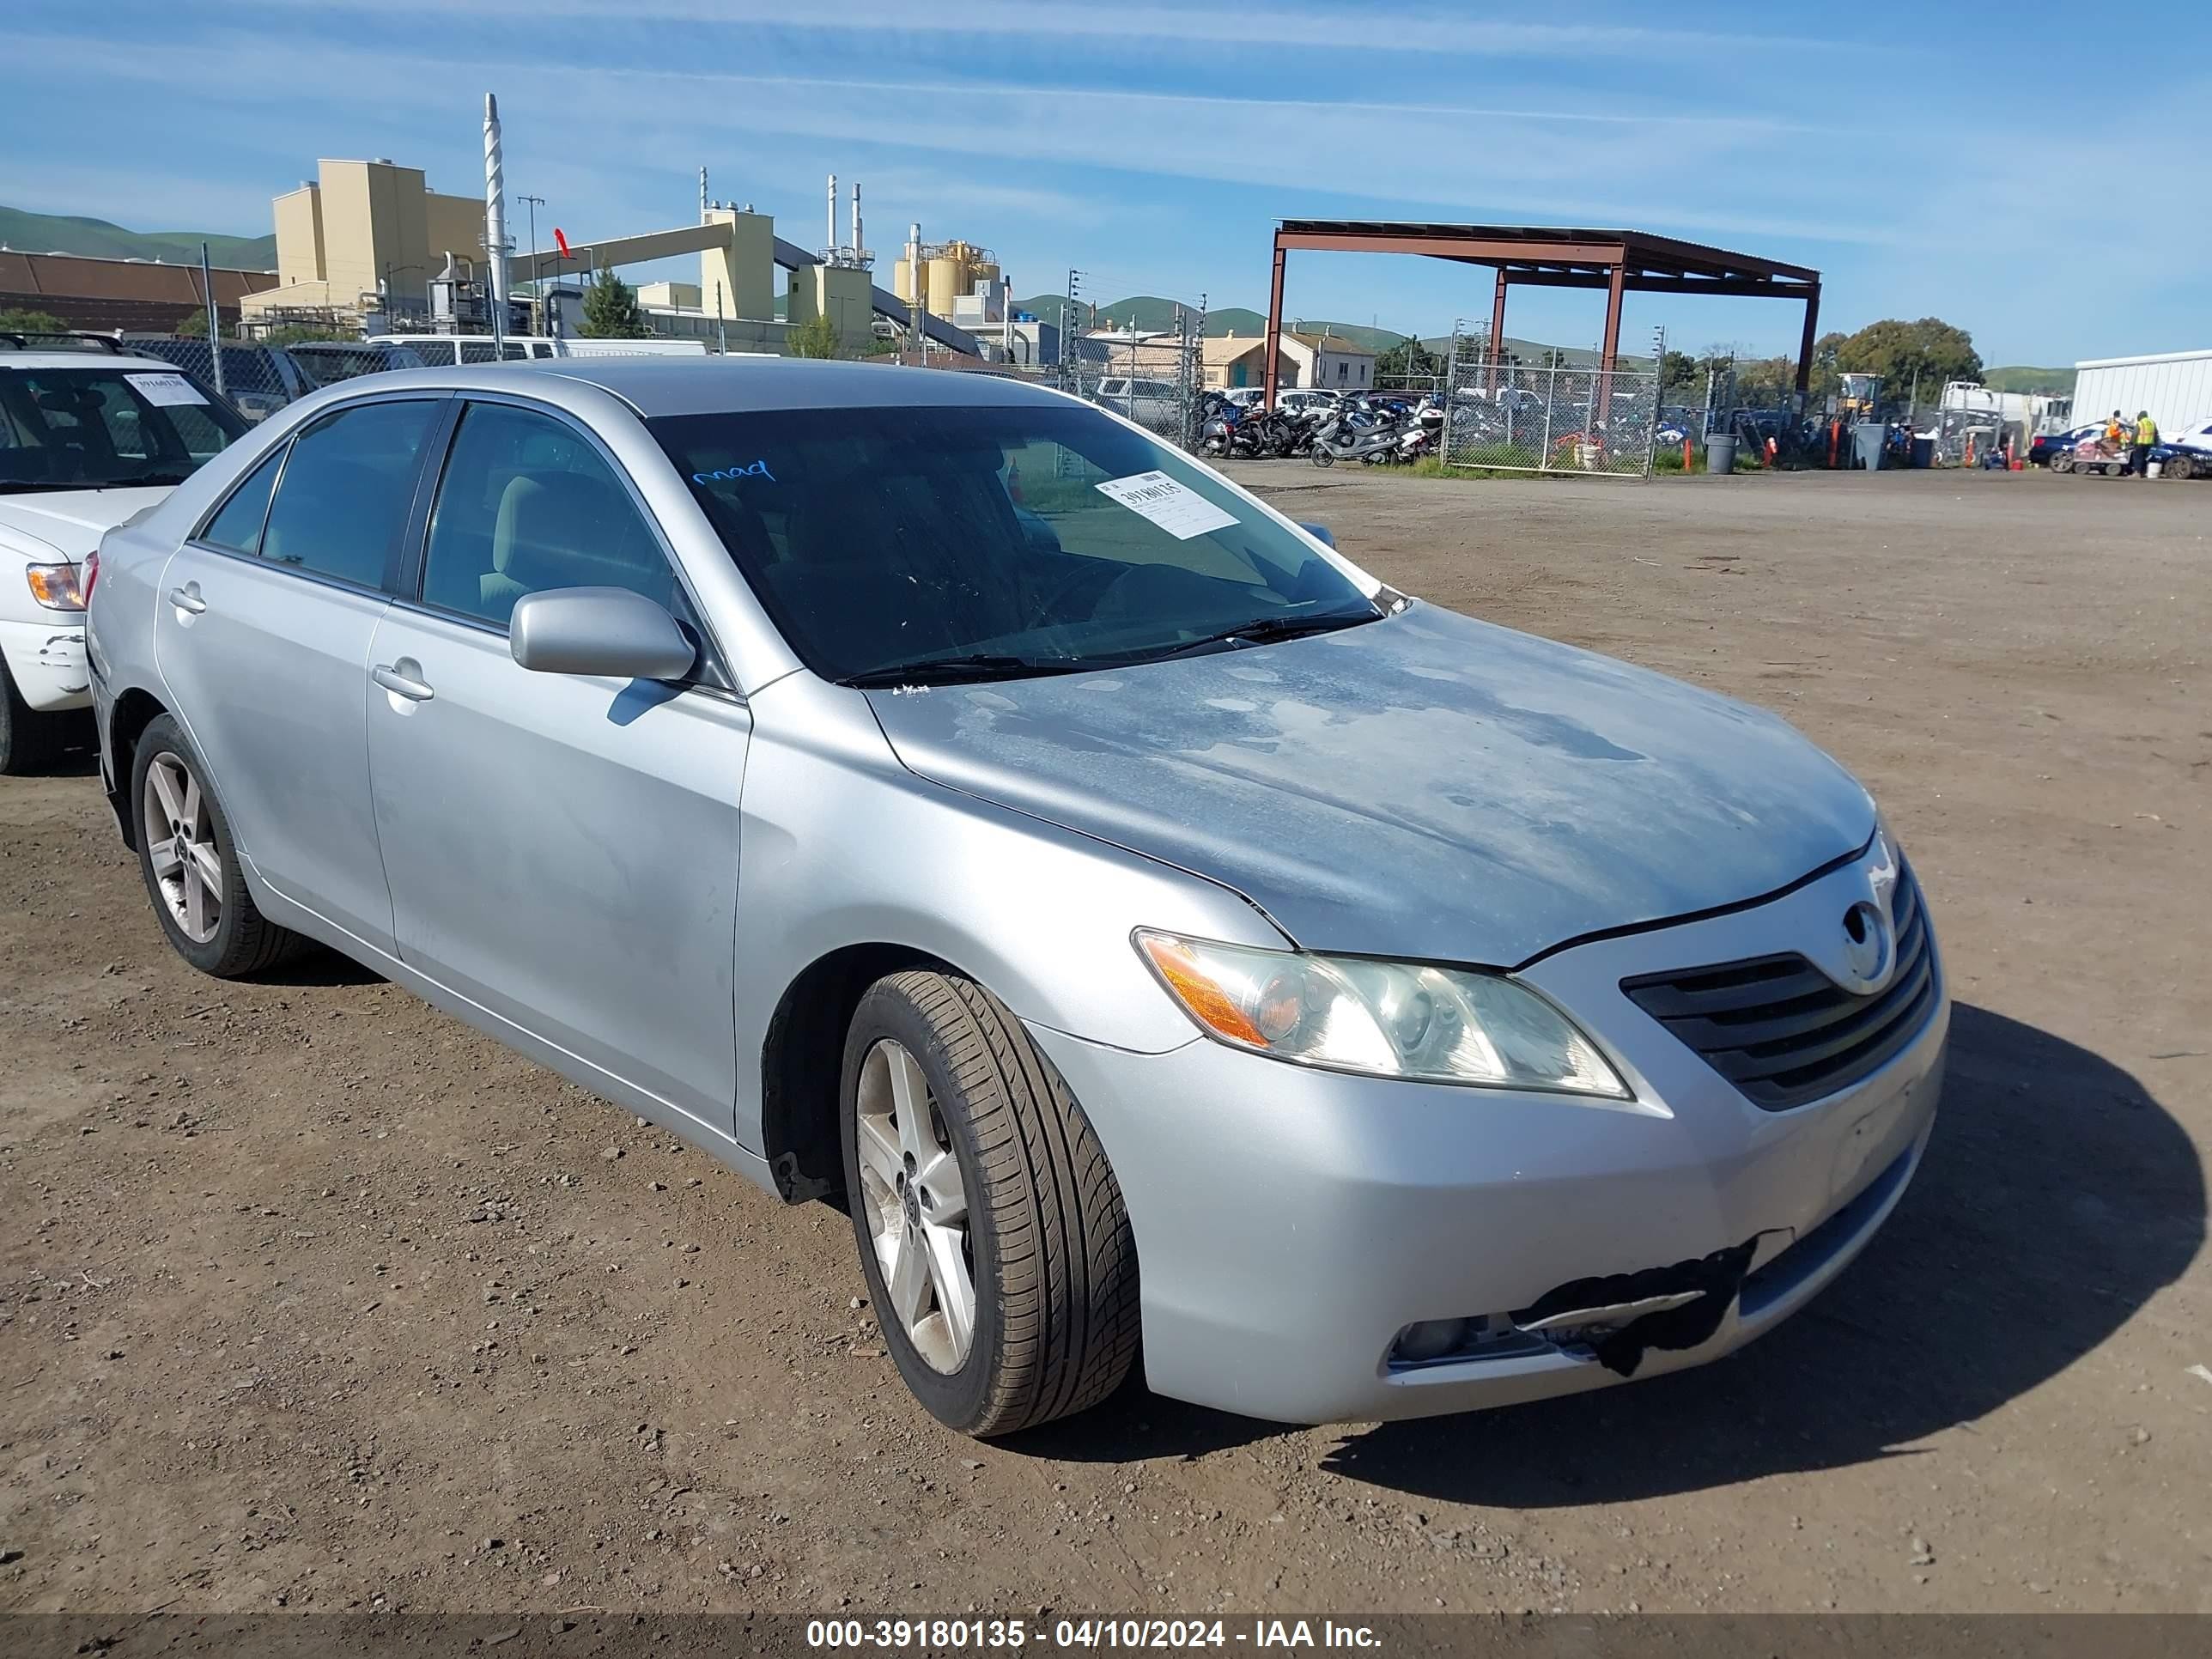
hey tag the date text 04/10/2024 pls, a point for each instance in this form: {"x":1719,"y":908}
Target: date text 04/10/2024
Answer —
{"x":896,"y":1634}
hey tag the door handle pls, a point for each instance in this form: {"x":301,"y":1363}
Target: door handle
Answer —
{"x":188,"y":599}
{"x":401,"y":684}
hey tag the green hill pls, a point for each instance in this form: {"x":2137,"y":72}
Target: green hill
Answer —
{"x":1149,"y":312}
{"x":2021,"y":378}
{"x":53,"y":233}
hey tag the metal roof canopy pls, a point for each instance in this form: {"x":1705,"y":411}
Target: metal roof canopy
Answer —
{"x":1542,"y":256}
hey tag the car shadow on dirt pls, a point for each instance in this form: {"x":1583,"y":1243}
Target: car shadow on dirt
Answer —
{"x":2057,"y":1197}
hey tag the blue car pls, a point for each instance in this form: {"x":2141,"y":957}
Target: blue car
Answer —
{"x":2052,"y":443}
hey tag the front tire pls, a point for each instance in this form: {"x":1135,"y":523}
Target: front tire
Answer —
{"x":190,"y":864}
{"x":29,"y":738}
{"x":991,"y":1229}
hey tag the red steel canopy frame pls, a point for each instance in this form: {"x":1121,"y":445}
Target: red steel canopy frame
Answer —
{"x":1537,"y":256}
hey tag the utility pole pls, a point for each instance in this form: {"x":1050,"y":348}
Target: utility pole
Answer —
{"x":1071,"y":362}
{"x":215,"y":321}
{"x":537,"y":282}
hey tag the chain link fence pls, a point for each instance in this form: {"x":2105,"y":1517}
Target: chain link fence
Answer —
{"x":1508,"y":417}
{"x":257,"y":381}
{"x":1156,"y":380}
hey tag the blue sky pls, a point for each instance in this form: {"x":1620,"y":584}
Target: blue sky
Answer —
{"x":1155,"y":145}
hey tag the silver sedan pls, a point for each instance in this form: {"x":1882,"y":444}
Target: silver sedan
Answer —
{"x":932,"y":795}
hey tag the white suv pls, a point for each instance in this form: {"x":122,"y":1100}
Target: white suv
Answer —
{"x":88,"y":438}
{"x":1148,"y":402}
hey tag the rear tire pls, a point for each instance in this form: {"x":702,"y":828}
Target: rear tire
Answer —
{"x":2177,"y":466}
{"x":190,"y":866}
{"x":31,"y":737}
{"x":988,"y":1188}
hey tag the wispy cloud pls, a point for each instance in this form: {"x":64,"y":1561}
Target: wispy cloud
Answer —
{"x":1393,"y":29}
{"x":1495,"y":160}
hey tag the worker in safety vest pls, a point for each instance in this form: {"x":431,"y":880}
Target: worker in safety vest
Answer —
{"x":2146,"y":437}
{"x":2115,"y":431}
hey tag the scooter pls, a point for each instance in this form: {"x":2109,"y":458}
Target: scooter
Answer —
{"x":1345,"y":435}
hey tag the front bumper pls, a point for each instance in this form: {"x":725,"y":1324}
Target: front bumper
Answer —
{"x":46,"y":661}
{"x":1291,"y":1223}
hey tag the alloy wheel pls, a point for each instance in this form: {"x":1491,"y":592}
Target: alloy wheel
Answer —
{"x":187,"y":867}
{"x":917,"y":1206}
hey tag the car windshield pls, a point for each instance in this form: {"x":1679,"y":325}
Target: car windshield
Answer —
{"x":106,"y":428}
{"x":897,"y":544}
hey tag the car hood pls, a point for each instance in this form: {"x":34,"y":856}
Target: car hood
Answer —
{"x":71,"y":522}
{"x":1426,"y":786}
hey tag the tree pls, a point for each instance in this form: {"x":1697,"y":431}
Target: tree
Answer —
{"x":611,"y":310}
{"x":1820,"y":382}
{"x":192,"y":326}
{"x":1931,"y":350}
{"x":1766,"y":382}
{"x":814,"y":338}
{"x":304,"y":334}
{"x":1679,"y":368}
{"x":20,"y":319}
{"x":1407,"y":360}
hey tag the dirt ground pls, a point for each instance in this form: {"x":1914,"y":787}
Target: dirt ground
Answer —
{"x":312,"y":1298}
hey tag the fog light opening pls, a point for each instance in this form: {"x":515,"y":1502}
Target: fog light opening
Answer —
{"x":1459,"y":1341}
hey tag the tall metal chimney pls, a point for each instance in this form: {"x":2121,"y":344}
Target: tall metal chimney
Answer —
{"x":914,"y":274}
{"x":831,"y":244}
{"x":857,"y":243}
{"x":494,"y":218}
{"x":702,"y":196}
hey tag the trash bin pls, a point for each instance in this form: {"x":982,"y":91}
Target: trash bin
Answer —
{"x":1867,"y":438}
{"x":1720,"y":452}
{"x":1924,"y":451}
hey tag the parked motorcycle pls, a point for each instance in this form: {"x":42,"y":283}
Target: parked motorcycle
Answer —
{"x":1348,"y":433}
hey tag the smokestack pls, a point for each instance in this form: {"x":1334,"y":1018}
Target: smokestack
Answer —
{"x":914,"y":274}
{"x":494,"y":216}
{"x":857,"y":243}
{"x":702,"y":196}
{"x":832,"y":243}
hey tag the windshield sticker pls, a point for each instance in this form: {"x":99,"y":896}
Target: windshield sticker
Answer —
{"x":1176,"y":508}
{"x":163,"y":391}
{"x":757,"y":470}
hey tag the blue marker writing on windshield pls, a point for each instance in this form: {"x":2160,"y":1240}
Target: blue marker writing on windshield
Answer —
{"x":757,"y":470}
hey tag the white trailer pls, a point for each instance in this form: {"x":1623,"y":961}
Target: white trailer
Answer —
{"x":2175,"y":387}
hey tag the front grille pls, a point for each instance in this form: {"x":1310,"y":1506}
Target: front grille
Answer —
{"x":1782,"y":1030}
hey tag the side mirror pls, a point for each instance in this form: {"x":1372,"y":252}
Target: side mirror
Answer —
{"x":598,"y":631}
{"x":1320,"y":534}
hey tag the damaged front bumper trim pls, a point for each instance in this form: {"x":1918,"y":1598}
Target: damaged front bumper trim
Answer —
{"x":1612,"y":1320}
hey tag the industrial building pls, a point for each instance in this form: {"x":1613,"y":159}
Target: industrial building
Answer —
{"x":145,"y":295}
{"x":2175,"y":387}
{"x":364,"y":231}
{"x":371,"y":241}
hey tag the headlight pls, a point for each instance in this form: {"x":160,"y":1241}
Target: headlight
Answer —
{"x":54,"y":585}
{"x":1391,"y":1019}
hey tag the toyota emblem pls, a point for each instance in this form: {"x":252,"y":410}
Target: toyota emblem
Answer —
{"x":1866,"y":943}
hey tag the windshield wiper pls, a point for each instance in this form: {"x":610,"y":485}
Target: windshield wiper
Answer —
{"x":1267,"y":630}
{"x":948,"y":671}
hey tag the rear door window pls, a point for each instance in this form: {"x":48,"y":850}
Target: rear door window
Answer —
{"x":238,"y":525}
{"x":345,"y":492}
